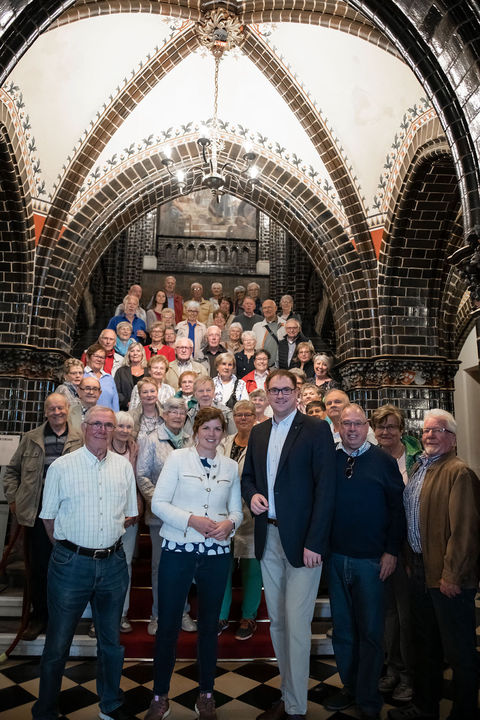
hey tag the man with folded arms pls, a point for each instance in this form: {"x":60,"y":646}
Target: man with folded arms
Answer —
{"x":89,"y":495}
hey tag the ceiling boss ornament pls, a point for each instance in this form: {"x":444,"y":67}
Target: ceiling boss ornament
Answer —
{"x":219,"y":31}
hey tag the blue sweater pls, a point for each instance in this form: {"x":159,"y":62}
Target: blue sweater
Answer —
{"x":369,"y":518}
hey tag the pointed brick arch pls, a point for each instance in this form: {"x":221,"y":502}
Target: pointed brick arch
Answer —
{"x":429,"y":132}
{"x":282,"y":196}
{"x":413,"y":267}
{"x":17,"y":236}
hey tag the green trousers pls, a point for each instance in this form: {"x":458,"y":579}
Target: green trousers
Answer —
{"x":251,"y":589}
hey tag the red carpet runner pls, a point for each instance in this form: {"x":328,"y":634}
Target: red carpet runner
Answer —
{"x":138,"y":644}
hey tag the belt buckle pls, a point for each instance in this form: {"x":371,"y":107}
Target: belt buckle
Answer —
{"x":99,"y":554}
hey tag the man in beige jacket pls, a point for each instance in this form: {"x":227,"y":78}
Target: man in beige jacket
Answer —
{"x":442,"y":505}
{"x":23,"y":484}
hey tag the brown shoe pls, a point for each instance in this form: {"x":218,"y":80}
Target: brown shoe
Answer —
{"x":205,"y":707}
{"x":276,"y":712}
{"x":34,"y":629}
{"x":159,"y":709}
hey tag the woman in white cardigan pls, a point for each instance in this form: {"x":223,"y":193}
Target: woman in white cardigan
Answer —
{"x":198,"y":499}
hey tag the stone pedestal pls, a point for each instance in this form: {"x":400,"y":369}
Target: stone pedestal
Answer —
{"x":412,"y":384}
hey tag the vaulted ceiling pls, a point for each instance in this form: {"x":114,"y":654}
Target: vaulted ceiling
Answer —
{"x":323,"y":90}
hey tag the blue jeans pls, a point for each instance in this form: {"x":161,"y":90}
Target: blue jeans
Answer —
{"x":175,"y":574}
{"x":443,"y":628}
{"x":357,"y":597}
{"x":73,"y":580}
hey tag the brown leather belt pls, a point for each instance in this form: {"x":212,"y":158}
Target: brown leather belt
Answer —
{"x":99,"y":554}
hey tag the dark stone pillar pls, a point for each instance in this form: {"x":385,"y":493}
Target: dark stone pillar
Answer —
{"x":27,"y":376}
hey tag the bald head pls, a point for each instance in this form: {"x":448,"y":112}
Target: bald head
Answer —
{"x":56,"y":412}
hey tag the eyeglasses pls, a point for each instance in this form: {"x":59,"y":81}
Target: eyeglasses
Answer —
{"x":89,"y":389}
{"x":349,"y":468}
{"x":97,"y":425}
{"x":243,"y":415}
{"x":388,"y":428}
{"x":436,"y":431}
{"x":97,"y":357}
{"x":353,"y":424}
{"x":287,"y":391}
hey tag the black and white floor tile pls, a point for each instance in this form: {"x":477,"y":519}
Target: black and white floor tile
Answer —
{"x":242,"y":690}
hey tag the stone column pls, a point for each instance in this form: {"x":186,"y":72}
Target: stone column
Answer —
{"x":27,"y":376}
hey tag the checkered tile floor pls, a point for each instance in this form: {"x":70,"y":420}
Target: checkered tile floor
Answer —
{"x":242,"y":690}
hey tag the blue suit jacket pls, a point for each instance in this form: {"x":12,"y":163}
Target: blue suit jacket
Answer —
{"x":304,"y":487}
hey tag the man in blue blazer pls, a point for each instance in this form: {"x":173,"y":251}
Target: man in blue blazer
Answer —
{"x":288,"y":482}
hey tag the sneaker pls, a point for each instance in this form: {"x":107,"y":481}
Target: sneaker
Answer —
{"x":152,"y":626}
{"x":246,"y":629}
{"x":125,"y":625}
{"x":403,"y":692}
{"x":339,"y":701}
{"x":410,"y":712}
{"x":222,"y":625}
{"x":387,"y":683}
{"x":188,"y":623}
{"x":119,"y":713}
{"x":159,"y":709}
{"x":91,"y":631}
{"x":205,"y":707}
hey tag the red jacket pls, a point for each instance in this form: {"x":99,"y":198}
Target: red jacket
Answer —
{"x":165,"y":350}
{"x":178,"y":307}
{"x":249,"y":380}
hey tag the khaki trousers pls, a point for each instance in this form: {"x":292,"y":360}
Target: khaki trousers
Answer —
{"x":290,"y":594}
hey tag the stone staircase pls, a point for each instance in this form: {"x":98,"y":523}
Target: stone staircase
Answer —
{"x":139,"y":645}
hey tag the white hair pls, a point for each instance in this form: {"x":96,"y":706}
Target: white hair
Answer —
{"x":124,"y":418}
{"x":192,"y":305}
{"x":447,"y":418}
{"x":178,"y":339}
{"x":215,"y":328}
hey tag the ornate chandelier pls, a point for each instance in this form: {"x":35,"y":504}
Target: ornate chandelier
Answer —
{"x":219,"y":31}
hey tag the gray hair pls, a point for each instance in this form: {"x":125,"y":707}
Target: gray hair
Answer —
{"x":235,"y":325}
{"x":192,"y":305}
{"x":299,"y":373}
{"x":448,"y":419}
{"x":325,"y":358}
{"x":287,"y":297}
{"x":239,"y":288}
{"x":247,"y":334}
{"x":125,"y":323}
{"x":124,"y":417}
{"x":96,"y":408}
{"x":174,"y":403}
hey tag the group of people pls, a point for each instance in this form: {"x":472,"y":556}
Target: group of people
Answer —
{"x":251,"y":453}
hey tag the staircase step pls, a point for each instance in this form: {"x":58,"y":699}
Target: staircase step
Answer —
{"x":82,"y":645}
